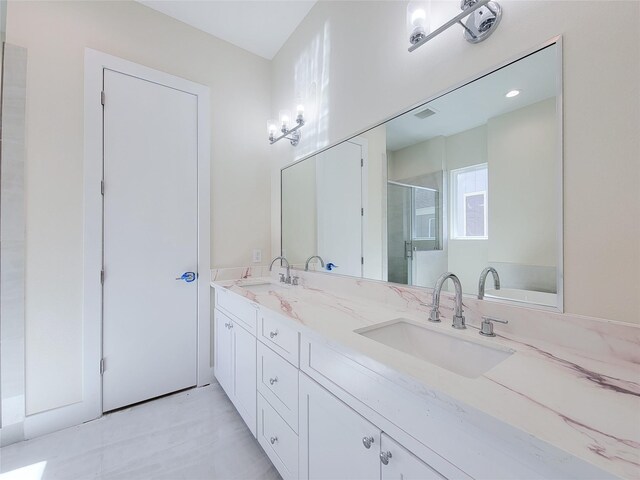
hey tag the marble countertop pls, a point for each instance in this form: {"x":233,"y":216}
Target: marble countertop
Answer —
{"x":583,"y":404}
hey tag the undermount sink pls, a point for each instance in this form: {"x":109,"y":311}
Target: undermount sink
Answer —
{"x":259,"y":286}
{"x":455,"y":354}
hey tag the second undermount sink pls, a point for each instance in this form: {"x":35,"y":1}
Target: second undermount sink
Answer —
{"x":455,"y":354}
{"x":259,"y":286}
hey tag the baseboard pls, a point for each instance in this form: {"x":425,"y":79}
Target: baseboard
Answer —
{"x":58,"y":419}
{"x":13,"y":433}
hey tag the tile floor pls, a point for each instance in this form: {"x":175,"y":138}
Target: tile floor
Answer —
{"x":192,"y":435}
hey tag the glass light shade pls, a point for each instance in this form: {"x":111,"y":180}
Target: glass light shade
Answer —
{"x":417,"y":21}
{"x":300,"y":109}
{"x":272,"y":127}
{"x":285,"y":118}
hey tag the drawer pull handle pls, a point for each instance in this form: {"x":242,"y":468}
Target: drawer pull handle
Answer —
{"x":384,"y":457}
{"x":273,"y":334}
{"x":273,"y":380}
{"x":273,"y":440}
{"x":367,"y":442}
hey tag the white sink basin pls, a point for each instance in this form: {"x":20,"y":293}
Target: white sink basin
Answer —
{"x":259,"y":286}
{"x":457,"y":355}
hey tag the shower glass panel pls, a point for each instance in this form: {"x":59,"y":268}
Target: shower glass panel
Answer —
{"x":413,"y":225}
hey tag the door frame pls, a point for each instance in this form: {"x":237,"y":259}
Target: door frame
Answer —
{"x":95,"y":63}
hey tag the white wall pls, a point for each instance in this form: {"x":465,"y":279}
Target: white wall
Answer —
{"x":418,"y":159}
{"x":367,"y":75}
{"x":523,"y":196}
{"x":299,"y":211}
{"x":55,"y":34}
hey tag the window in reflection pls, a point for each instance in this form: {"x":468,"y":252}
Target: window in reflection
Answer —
{"x":469,"y":202}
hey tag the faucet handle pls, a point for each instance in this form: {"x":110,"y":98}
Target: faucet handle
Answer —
{"x":486,"y":327}
{"x":294,"y":280}
{"x":282,"y":278}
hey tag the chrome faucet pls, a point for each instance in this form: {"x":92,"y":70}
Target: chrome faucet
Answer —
{"x":283,"y":279}
{"x":483,"y":279}
{"x":458,"y":318}
{"x":306,"y":265}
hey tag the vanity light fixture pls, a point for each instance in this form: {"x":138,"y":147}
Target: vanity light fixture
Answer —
{"x":512,"y":93}
{"x":482,"y":18}
{"x":290,"y":133}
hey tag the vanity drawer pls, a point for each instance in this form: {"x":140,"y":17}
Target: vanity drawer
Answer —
{"x":278,"y":383}
{"x":241,"y":309}
{"x":278,"y":440}
{"x":280,"y":337}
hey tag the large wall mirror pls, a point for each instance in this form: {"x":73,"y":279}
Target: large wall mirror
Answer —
{"x":469,"y":180}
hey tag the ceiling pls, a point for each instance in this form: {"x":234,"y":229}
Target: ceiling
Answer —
{"x":474,"y":104}
{"x":259,"y":26}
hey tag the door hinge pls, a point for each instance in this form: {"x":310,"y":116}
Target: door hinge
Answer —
{"x":362,"y":162}
{"x":102,"y":277}
{"x":101,"y":187}
{"x":102,"y":98}
{"x":102,"y":366}
{"x":362,"y":212}
{"x":361,"y":260}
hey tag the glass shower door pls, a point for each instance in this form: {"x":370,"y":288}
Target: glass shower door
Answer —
{"x":399,"y":233}
{"x":413,"y":226}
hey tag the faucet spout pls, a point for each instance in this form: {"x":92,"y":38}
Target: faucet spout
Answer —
{"x":458,"y":318}
{"x":306,"y":265}
{"x":483,"y":279}
{"x":287,"y":279}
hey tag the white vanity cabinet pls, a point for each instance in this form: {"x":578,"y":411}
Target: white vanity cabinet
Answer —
{"x":235,"y":354}
{"x":223,"y":352}
{"x":398,"y":463}
{"x":277,"y":383}
{"x":336,"y":442}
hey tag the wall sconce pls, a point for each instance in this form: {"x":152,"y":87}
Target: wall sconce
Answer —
{"x":482,"y":18}
{"x":292,"y":134}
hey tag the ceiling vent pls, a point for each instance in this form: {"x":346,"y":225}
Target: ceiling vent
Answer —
{"x":426,"y":113}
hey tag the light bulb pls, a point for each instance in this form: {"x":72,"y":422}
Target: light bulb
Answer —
{"x":417,"y":13}
{"x":285,"y":118}
{"x":418,"y":17}
{"x":512,"y":93}
{"x":300,"y":113}
{"x":272,"y":128}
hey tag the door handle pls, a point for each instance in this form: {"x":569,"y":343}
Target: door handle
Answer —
{"x":188,"y":277}
{"x":408,"y":249}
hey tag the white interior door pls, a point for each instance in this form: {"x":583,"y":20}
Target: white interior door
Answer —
{"x":150,"y":240}
{"x":339,"y":193}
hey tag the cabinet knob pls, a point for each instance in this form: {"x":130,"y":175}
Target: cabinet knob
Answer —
{"x":273,"y":440}
{"x":384,"y":457}
{"x":226,"y":325}
{"x":367,"y":441}
{"x":273,"y":380}
{"x":273,"y":334}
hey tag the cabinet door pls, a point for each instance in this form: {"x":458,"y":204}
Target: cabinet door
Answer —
{"x":223,"y":353}
{"x":402,"y":464}
{"x":335,"y":441}
{"x":244,"y":375}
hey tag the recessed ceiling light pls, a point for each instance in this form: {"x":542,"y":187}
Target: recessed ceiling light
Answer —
{"x":512,"y":93}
